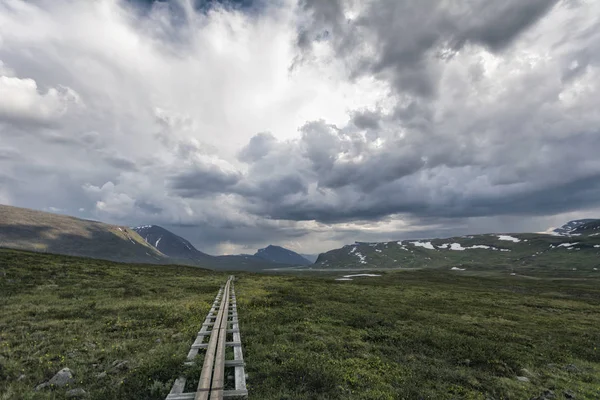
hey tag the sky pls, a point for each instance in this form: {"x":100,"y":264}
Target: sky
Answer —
{"x":308,"y":124}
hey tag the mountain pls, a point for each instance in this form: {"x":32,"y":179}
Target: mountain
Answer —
{"x":181,"y":251}
{"x":26,"y":229}
{"x":277,"y":254}
{"x":578,"y":227}
{"x":476,"y":252}
{"x":310,"y":257}
{"x":170,"y":244}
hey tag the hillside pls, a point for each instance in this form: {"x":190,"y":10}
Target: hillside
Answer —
{"x":181,"y":251}
{"x":26,"y":229}
{"x":508,"y":252}
{"x":281,"y":255}
{"x":170,"y":244}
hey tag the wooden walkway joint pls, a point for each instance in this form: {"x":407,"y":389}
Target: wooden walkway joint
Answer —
{"x":212,"y":378}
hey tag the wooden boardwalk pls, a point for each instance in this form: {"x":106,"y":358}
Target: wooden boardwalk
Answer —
{"x":218,"y":329}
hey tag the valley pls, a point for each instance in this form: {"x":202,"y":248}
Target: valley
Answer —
{"x":125,"y":329}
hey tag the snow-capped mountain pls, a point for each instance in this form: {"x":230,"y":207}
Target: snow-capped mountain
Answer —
{"x":578,"y":227}
{"x":169,"y":243}
{"x":281,"y":255}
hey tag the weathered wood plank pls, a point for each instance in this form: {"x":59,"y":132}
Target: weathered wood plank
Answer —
{"x":227,"y":394}
{"x":218,"y":379}
{"x":209,"y":359}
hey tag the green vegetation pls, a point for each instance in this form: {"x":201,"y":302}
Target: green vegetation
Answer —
{"x":421,"y":334}
{"x":532,"y":253}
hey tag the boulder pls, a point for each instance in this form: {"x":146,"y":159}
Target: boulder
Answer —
{"x":75,"y":393}
{"x":120,"y":365}
{"x":42,"y":386}
{"x":62,"y":378}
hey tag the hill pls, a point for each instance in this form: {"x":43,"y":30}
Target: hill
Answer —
{"x":171,"y":244}
{"x":281,"y":255}
{"x":26,"y":229}
{"x":512,"y":253}
{"x":579,"y":227}
{"x":181,"y":251}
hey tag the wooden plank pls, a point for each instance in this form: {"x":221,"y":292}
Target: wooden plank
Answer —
{"x":218,"y":380}
{"x":227,"y":394}
{"x":178,"y":386}
{"x":234,"y":363}
{"x":238,"y":355}
{"x":209,"y":358}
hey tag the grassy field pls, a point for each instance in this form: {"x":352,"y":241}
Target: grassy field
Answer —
{"x":426,"y":334}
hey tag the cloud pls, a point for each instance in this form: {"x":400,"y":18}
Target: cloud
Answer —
{"x":203,"y":180}
{"x":22,"y":102}
{"x":304,"y":123}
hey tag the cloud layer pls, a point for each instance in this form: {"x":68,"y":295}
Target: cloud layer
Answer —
{"x":308,"y":124}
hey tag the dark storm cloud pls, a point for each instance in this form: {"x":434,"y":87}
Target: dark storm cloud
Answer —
{"x":366,"y":119}
{"x":203,"y":180}
{"x":120,"y":163}
{"x":148,"y":207}
{"x":258,"y":147}
{"x":407,"y":35}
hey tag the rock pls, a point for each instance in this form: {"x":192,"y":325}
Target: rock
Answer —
{"x":101,"y":375}
{"x":21,"y":377}
{"x":569,"y":394}
{"x":571,"y":368}
{"x":75,"y":393}
{"x":158,"y":341}
{"x":522,"y":379}
{"x":123,"y":365}
{"x":42,"y":386}
{"x":525,"y":372}
{"x":547,"y":395}
{"x":120,"y":365}
{"x":62,"y":378}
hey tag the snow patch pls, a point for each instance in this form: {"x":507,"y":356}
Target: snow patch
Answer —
{"x":157,"y":242}
{"x":426,"y":245}
{"x":361,"y":257}
{"x":567,"y":245}
{"x":456,"y":269}
{"x":378,"y":251}
{"x":349,"y":277}
{"x":509,"y":238}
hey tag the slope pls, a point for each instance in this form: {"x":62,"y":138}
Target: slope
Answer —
{"x":278,"y":254}
{"x":510,"y":252}
{"x":181,"y":251}
{"x":170,"y":244}
{"x":26,"y":229}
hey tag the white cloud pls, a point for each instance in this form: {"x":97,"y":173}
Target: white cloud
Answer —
{"x":21,"y":100}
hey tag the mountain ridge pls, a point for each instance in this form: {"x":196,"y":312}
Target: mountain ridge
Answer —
{"x":281,"y":255}
{"x":40,"y":231}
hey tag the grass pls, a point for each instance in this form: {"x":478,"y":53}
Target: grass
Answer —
{"x":426,"y":334}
